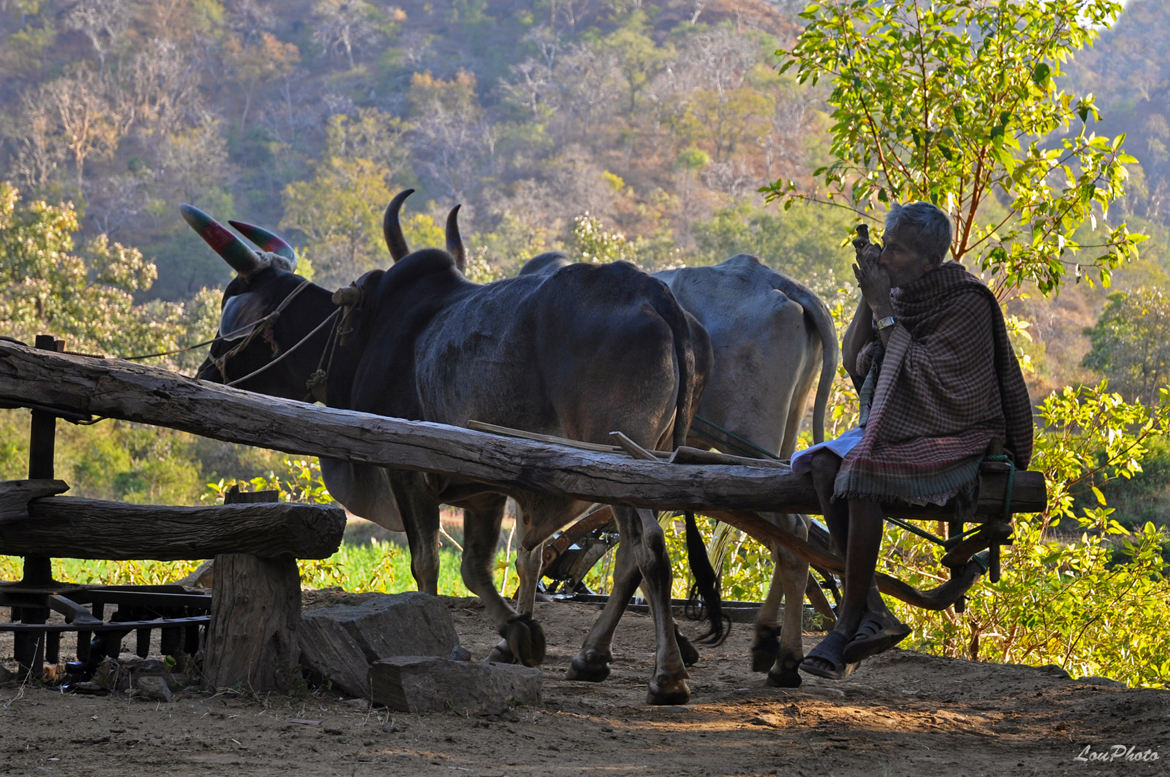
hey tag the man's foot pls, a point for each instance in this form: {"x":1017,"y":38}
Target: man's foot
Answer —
{"x":827,"y":659}
{"x":874,"y":636}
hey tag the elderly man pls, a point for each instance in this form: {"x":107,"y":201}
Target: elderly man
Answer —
{"x":938,"y":383}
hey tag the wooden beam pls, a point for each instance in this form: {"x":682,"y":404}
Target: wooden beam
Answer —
{"x":816,"y":550}
{"x":66,"y":527}
{"x":16,"y":494}
{"x":134,"y":392}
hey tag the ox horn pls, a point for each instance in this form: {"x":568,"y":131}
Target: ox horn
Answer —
{"x":268,"y":241}
{"x":392,"y":230}
{"x":454,"y":241}
{"x":234,"y":251}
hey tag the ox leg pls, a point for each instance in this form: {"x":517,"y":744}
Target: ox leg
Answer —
{"x":766,"y":640}
{"x":420,"y":517}
{"x":792,"y":575}
{"x":528,"y":564}
{"x":640,"y":528}
{"x":523,"y":639}
{"x":592,"y":663}
{"x":777,"y":649}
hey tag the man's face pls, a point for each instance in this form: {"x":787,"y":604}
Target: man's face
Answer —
{"x":901,"y":258}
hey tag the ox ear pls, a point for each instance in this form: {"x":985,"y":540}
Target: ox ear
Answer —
{"x":242,"y":259}
{"x":268,"y":241}
{"x":392,"y":230}
{"x":454,"y":241}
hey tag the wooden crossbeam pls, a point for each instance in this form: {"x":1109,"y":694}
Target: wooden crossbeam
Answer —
{"x":69,"y":527}
{"x":134,"y":392}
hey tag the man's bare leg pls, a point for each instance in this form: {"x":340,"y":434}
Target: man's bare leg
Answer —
{"x":863,"y":536}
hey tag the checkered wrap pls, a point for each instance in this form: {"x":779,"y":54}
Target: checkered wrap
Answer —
{"x":949,"y":384}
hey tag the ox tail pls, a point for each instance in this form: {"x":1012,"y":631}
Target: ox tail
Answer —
{"x":706,"y":587}
{"x":693,"y":355}
{"x":817,"y":310}
{"x":822,"y":319}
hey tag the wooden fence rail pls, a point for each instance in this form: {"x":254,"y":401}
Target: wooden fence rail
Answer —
{"x":134,"y":392}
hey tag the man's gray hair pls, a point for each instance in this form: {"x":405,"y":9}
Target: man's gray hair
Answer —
{"x":929,"y":226}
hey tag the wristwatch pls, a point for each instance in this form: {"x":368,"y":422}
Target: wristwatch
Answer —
{"x":883,"y":323}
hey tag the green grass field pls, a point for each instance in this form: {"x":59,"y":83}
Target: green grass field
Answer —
{"x":370,"y":566}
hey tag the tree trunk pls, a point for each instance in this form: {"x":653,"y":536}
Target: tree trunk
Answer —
{"x":252,"y":637}
{"x":255,"y":610}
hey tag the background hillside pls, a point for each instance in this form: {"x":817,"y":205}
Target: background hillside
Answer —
{"x":655,"y":121}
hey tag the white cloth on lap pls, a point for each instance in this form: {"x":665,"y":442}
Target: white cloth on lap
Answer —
{"x":802,"y":460}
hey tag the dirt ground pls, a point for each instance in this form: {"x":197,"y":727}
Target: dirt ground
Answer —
{"x":901,"y":713}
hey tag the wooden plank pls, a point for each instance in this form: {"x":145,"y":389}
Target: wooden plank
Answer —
{"x":16,"y":494}
{"x":507,"y":431}
{"x":118,"y":389}
{"x":66,"y":527}
{"x":634,"y":449}
{"x":685,"y":454}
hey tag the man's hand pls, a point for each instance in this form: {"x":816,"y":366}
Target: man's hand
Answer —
{"x":873,"y":280}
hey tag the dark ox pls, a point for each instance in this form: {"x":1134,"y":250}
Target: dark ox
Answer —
{"x":771,"y":338}
{"x":576,"y":354}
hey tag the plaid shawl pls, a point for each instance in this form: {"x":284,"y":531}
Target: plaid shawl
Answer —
{"x":948,"y":384}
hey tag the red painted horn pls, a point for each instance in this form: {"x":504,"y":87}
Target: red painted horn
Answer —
{"x":234,"y":251}
{"x":392,"y":230}
{"x":454,"y":241}
{"x":268,"y":241}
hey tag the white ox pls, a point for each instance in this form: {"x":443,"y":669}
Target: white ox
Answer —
{"x":771,"y":338}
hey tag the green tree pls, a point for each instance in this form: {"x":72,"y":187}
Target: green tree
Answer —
{"x":636,"y":59}
{"x":87,"y":297}
{"x":339,"y":210}
{"x":1130,"y":343}
{"x":592,"y":242}
{"x":799,"y":243}
{"x":1092,"y":599}
{"x":254,"y":63}
{"x":957,"y":103}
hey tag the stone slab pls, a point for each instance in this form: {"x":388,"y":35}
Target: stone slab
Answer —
{"x":429,"y":684}
{"x":339,"y":643}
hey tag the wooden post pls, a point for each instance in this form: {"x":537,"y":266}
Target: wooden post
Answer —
{"x":29,"y":648}
{"x":251,"y":639}
{"x":42,"y":443}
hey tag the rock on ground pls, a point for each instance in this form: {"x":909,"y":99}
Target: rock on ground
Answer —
{"x":427,"y":684}
{"x":338,"y":643}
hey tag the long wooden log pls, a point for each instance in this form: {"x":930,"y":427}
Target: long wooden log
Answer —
{"x":816,"y":551}
{"x":67,"y":527}
{"x":134,"y":392}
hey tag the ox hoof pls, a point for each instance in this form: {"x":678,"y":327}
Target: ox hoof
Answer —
{"x":765,"y":648}
{"x":784,"y":674}
{"x":525,"y":642}
{"x":784,"y":679}
{"x":690,"y":656}
{"x":589,"y":667}
{"x":502,"y":654}
{"x":668,"y":691}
